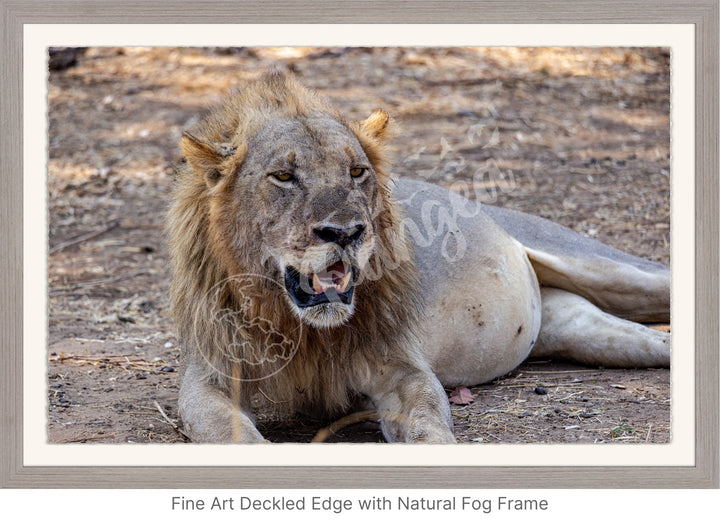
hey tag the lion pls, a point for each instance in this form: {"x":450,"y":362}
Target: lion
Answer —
{"x":303,"y":271}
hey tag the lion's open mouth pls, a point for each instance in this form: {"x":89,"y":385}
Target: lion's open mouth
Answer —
{"x":334,"y":283}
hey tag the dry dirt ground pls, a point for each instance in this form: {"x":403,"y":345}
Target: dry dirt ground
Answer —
{"x":579,"y":136}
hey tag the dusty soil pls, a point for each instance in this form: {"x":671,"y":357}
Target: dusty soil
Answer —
{"x":579,"y":136}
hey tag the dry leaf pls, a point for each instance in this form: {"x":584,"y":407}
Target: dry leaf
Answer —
{"x":461,"y":396}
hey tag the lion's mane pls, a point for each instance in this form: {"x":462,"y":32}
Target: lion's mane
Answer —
{"x":228,"y":313}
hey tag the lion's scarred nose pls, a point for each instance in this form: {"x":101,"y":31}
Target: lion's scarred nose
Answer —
{"x":342,"y":236}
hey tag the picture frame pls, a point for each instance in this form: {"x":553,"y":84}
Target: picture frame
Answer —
{"x":703,"y":14}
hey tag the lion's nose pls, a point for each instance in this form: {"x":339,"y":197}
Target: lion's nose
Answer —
{"x":340,"y":235}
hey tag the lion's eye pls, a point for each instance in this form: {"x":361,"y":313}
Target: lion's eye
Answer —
{"x":357,"y":172}
{"x":282,"y":176}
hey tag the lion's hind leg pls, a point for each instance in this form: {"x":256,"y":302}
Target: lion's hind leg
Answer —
{"x":575,"y":329}
{"x":625,"y":290}
{"x":617,"y":282}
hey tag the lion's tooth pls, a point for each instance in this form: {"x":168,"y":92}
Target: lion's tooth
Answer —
{"x":317,"y":285}
{"x":343,"y":283}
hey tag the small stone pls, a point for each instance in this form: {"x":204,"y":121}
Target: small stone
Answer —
{"x":123,"y":318}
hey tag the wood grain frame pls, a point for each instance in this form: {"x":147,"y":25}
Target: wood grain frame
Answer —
{"x":703,"y":14}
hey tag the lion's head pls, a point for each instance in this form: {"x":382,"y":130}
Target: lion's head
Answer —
{"x":295,"y":193}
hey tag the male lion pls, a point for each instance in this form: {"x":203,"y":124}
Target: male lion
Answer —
{"x":302,"y":271}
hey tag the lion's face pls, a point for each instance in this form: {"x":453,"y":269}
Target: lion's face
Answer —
{"x":312,"y":192}
{"x":301,"y":196}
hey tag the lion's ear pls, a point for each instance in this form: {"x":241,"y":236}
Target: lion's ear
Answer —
{"x":209,"y":159}
{"x":376,"y":124}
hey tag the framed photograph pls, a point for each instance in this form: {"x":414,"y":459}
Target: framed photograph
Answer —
{"x":601,"y":118}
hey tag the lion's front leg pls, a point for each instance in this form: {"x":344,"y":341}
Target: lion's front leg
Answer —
{"x":209,"y":415}
{"x":413,"y":407}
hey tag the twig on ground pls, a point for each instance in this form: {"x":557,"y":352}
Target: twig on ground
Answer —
{"x":73,"y":287}
{"x":82,"y":439}
{"x":85,"y":237}
{"x":170,"y":421}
